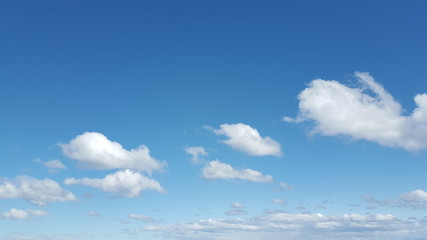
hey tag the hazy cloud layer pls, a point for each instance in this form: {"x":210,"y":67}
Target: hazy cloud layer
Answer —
{"x":219,"y":170}
{"x":33,"y":190}
{"x":15,"y":214}
{"x":126,"y":183}
{"x":95,"y":151}
{"x":368,"y":112}
{"x":288,"y":226}
{"x":244,"y":138}
{"x":140,"y":217}
{"x":416,"y":199}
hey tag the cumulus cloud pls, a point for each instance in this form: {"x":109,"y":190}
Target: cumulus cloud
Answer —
{"x":126,"y":183}
{"x":196,"y":153}
{"x":22,"y":214}
{"x":219,"y":170}
{"x":95,"y":151}
{"x":35,"y":191}
{"x":287,"y":226}
{"x":414,"y":196}
{"x":244,"y":138}
{"x":368,"y":112}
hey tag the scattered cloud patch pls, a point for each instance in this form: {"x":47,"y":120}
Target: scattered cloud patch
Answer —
{"x":95,"y":151}
{"x":93,"y":214}
{"x":416,"y":199}
{"x":53,"y":166}
{"x":237,"y":205}
{"x":36,"y":191}
{"x":244,"y":138}
{"x":417,"y":196}
{"x":126,"y":183}
{"x":367,"y":112}
{"x":15,"y":214}
{"x":280,"y":225}
{"x":140,"y":217}
{"x":219,"y":170}
{"x":197,"y":154}
{"x":235,"y":212}
{"x":284,"y":186}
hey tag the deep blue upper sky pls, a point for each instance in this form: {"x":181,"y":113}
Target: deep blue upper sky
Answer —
{"x":166,"y":74}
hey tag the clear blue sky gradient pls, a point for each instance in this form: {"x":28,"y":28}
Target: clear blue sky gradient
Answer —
{"x":158,"y":72}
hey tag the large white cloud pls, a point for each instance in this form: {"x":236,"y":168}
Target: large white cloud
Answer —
{"x":244,"y":138}
{"x":126,"y":183}
{"x":289,"y":226}
{"x":368,"y":112}
{"x":22,"y":214}
{"x":95,"y":151}
{"x":219,"y":170}
{"x":33,"y":190}
{"x":415,"y":196}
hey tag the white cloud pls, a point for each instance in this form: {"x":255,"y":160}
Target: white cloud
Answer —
{"x":414,"y":196}
{"x":416,"y":199}
{"x":368,"y":112}
{"x":244,"y":138}
{"x":140,"y":217}
{"x":237,"y":205}
{"x":286,"y":226}
{"x":235,"y":212}
{"x":279,"y":201}
{"x":22,"y":214}
{"x":55,"y":165}
{"x":196,"y":153}
{"x":126,"y":183}
{"x":285,"y":186}
{"x":93,"y":214}
{"x":219,"y":170}
{"x":33,"y":190}
{"x":94,"y":151}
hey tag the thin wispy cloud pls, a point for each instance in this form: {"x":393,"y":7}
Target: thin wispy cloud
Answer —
{"x":219,"y":170}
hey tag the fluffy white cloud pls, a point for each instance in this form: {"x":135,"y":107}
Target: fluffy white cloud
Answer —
{"x":125,"y":183}
{"x":94,"y":151}
{"x":219,"y":170}
{"x":22,"y":214}
{"x":140,"y":217}
{"x":368,"y":112}
{"x":244,"y":138}
{"x":36,"y":191}
{"x":196,"y":153}
{"x":279,"y":225}
{"x":414,"y":196}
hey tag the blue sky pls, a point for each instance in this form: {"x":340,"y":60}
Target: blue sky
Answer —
{"x":213,"y":120}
